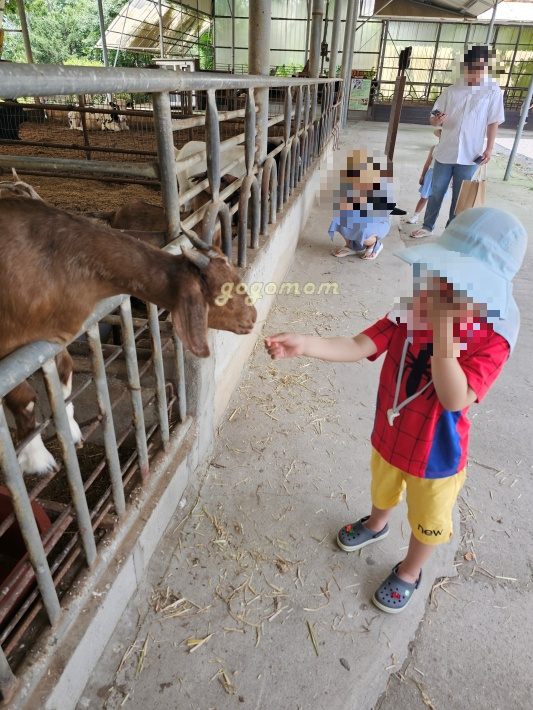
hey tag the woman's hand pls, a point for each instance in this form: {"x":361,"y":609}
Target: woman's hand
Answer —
{"x":486,"y":157}
{"x":284,"y":345}
{"x":421,"y":181}
{"x":438,"y":119}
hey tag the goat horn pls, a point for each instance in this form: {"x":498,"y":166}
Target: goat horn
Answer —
{"x":15,"y":176}
{"x":195,"y":239}
{"x":200,"y":260}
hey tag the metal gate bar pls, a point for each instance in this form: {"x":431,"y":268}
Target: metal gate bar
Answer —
{"x":305,"y":132}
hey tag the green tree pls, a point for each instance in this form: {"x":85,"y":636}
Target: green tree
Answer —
{"x":60,"y":30}
{"x":205,"y":50}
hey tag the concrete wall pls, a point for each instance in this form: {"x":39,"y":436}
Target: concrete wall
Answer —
{"x":232,"y":351}
{"x":216,"y":377}
{"x":54,"y":680}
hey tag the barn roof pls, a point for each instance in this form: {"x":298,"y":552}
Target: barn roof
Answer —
{"x":446,"y":9}
{"x":136,"y":27}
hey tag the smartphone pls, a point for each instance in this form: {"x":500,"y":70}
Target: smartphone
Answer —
{"x":478,"y":160}
{"x":436,"y":112}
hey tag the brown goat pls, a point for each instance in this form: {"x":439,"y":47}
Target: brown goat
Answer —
{"x":136,"y":216}
{"x":55,"y":267}
{"x":140,"y":216}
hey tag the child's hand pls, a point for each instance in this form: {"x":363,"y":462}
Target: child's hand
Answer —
{"x":421,"y":181}
{"x":442,"y":312}
{"x":285,"y":345}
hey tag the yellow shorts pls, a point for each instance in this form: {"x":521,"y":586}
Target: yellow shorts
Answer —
{"x":430,"y":501}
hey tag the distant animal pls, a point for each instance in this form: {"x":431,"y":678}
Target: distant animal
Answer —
{"x":55,"y":267}
{"x":139,"y":216}
{"x":134,"y":216}
{"x":100,"y":121}
{"x":12,"y":115}
{"x":227,"y":156}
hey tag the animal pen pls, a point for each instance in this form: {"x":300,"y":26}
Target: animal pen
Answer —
{"x":137,"y":396}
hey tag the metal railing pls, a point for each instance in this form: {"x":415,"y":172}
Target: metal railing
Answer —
{"x":117,"y":376}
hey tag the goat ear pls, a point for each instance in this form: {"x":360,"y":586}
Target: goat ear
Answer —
{"x":15,"y":176}
{"x":190,"y":321}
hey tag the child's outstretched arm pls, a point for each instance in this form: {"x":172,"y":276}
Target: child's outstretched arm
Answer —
{"x":284,"y":345}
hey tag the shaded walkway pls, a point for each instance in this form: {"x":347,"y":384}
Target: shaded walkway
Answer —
{"x":249,"y":603}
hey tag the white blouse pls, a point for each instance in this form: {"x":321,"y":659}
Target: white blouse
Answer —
{"x":469,"y":110}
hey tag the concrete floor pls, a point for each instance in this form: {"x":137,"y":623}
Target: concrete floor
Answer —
{"x":249,"y":603}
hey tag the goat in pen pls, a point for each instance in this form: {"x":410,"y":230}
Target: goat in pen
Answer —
{"x":55,"y":267}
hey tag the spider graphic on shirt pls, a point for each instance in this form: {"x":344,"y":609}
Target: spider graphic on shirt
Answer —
{"x":419,"y":371}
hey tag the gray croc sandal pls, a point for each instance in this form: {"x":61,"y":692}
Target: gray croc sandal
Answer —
{"x":355,"y":536}
{"x":393,"y":595}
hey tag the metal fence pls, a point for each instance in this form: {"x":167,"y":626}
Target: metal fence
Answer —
{"x":133,"y":393}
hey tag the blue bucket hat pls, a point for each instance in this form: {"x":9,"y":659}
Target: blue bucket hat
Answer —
{"x":479,"y":252}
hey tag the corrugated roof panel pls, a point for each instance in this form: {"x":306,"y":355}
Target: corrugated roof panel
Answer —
{"x":136,"y":27}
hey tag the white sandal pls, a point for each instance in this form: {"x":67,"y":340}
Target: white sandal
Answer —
{"x":371,"y":252}
{"x":345,"y":251}
{"x":419,"y":233}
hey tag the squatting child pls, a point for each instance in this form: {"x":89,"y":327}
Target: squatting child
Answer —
{"x":445,"y":343}
{"x":363,"y":206}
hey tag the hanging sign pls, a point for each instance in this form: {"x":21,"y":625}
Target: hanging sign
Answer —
{"x":359,"y":91}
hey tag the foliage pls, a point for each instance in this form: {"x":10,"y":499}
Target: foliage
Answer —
{"x":62,"y":32}
{"x":205,"y":50}
{"x":289,"y":69}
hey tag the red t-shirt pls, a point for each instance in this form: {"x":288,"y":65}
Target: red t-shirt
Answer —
{"x":427,"y":440}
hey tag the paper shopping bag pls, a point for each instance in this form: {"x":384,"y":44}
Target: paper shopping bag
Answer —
{"x":472,"y":193}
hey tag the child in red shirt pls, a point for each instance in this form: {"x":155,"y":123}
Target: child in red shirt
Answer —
{"x":446,"y":342}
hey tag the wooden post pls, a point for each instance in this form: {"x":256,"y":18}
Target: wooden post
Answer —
{"x":396,"y":108}
{"x":81,"y":103}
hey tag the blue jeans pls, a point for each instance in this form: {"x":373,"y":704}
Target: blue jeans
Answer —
{"x":442,"y":176}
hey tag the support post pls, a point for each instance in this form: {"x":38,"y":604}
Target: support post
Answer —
{"x":259,"y":24}
{"x":167,"y":165}
{"x":335,"y":37}
{"x":24,"y":30}
{"x":467,"y":38}
{"x":349,"y":59}
{"x":519,"y":130}
{"x":233,"y":36}
{"x":161,"y":39}
{"x":26,"y":37}
{"x":491,"y":25}
{"x":399,"y":88}
{"x":102,"y":32}
{"x":515,"y":52}
{"x":83,"y":119}
{"x":432,"y":70}
{"x":324,"y":45}
{"x":394,"y":120}
{"x":307,"y":31}
{"x":316,"y":37}
{"x":346,"y":65}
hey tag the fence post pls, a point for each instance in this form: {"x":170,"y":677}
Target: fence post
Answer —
{"x":259,"y":63}
{"x":167,"y":163}
{"x":335,"y":39}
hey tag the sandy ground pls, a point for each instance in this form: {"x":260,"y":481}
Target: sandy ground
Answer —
{"x":248,"y":602}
